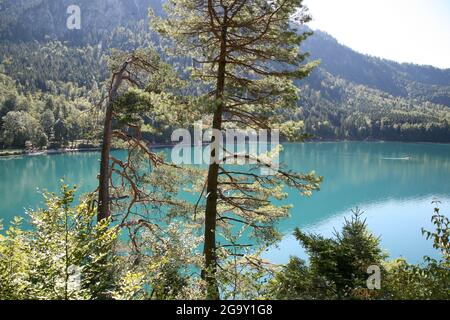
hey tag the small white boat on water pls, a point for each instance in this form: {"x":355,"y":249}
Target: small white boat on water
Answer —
{"x":401,"y":159}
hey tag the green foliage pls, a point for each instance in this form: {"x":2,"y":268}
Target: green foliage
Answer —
{"x":14,"y":263}
{"x":335,"y":108}
{"x":441,"y":235}
{"x":130,"y":287}
{"x":428,"y":281}
{"x":65,"y":254}
{"x":162,"y":236}
{"x":20,"y":127}
{"x":168,"y":259}
{"x":337,"y":268}
{"x":243,"y":274}
{"x":60,"y":116}
{"x":297,"y":280}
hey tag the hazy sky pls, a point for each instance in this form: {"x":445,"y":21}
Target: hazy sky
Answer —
{"x":416,"y":31}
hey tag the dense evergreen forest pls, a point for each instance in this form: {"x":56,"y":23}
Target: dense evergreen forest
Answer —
{"x":51,"y":79}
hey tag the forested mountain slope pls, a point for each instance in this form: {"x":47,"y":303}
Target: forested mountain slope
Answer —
{"x":349,"y":96}
{"x":391,"y":77}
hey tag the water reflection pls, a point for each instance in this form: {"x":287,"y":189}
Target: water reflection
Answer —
{"x":395,"y":193}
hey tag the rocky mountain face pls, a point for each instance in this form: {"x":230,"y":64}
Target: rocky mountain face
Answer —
{"x":40,"y":19}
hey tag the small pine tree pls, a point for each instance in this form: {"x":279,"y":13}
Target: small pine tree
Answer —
{"x":337,"y":267}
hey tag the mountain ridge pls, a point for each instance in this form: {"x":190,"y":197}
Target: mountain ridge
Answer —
{"x":375,"y":72}
{"x":349,"y":96}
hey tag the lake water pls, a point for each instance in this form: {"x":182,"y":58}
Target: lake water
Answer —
{"x":393,"y":183}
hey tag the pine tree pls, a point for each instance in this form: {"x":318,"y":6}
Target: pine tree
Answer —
{"x":246,"y":55}
{"x":126,"y":69}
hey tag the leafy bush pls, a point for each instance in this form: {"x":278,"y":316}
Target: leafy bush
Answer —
{"x":65,"y":254}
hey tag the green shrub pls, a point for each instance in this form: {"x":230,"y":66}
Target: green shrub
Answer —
{"x":64,"y":255}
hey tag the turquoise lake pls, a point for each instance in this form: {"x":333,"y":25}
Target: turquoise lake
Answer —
{"x":393,"y":183}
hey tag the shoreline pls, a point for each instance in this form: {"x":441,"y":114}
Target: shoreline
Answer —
{"x":17,"y":153}
{"x":45,"y":152}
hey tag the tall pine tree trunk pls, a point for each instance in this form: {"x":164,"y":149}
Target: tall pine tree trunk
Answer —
{"x":213,"y":175}
{"x":103,"y":190}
